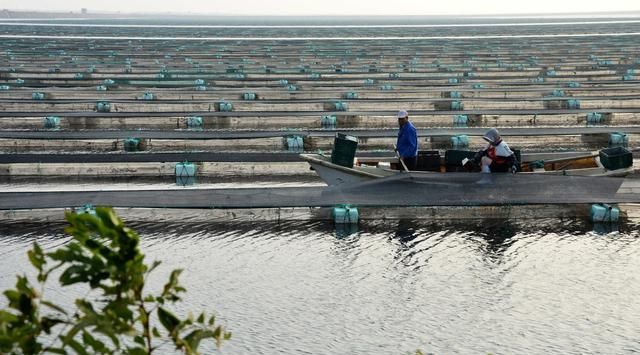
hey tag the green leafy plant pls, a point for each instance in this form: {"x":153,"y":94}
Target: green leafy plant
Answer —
{"x":120,"y":317}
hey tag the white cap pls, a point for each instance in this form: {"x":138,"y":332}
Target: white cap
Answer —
{"x":403,"y":114}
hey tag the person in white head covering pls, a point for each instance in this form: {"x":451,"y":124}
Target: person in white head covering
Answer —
{"x":407,"y":143}
{"x":497,"y":156}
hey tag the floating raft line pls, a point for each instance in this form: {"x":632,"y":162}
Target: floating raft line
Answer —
{"x":390,"y":114}
{"x":319,"y":100}
{"x":256,"y":134}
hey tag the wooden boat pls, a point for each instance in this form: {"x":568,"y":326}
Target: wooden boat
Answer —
{"x":369,"y":168}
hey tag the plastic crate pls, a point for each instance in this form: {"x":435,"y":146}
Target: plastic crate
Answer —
{"x":344,"y":150}
{"x":616,"y":158}
{"x":428,"y":160}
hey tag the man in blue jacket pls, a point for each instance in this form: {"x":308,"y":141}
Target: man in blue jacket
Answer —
{"x":407,"y":144}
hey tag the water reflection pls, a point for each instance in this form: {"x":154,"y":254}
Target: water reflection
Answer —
{"x":498,"y":286}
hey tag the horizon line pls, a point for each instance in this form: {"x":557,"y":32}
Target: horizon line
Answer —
{"x":195,"y":14}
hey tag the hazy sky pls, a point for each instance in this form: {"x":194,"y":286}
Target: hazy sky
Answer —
{"x":330,"y":7}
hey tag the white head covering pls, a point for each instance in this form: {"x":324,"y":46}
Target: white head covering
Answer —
{"x":403,"y":114}
{"x":492,"y":136}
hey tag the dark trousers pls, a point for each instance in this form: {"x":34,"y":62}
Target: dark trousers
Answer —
{"x":410,"y":163}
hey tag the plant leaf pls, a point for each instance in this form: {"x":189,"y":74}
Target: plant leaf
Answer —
{"x":168,"y":320}
{"x":53,"y":306}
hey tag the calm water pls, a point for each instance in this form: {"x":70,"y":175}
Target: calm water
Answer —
{"x":393,"y":287}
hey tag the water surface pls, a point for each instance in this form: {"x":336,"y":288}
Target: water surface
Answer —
{"x":304,"y":288}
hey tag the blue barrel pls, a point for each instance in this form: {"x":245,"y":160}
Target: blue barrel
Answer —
{"x":351,"y":95}
{"x":386,"y":87}
{"x":457,"y":105}
{"x":557,"y":93}
{"x":294,"y":143}
{"x":51,"y":122}
{"x":551,"y":73}
{"x":477,"y":86}
{"x":604,"y":213}
{"x":460,"y":141}
{"x":108,"y":82}
{"x":131,"y":144}
{"x":194,"y":122}
{"x":394,"y":75}
{"x":148,"y":96}
{"x":185,"y":173}
{"x":452,"y":80}
{"x":78,"y":76}
{"x":455,"y":95}
{"x":627,"y":77}
{"x":19,"y":81}
{"x":224,"y":106}
{"x":283,"y":82}
{"x":4,"y":87}
{"x":86,"y":209}
{"x":460,"y":120}
{"x":38,"y":96}
{"x":340,"y":106}
{"x":618,"y":139}
{"x":249,"y":96}
{"x":103,"y":106}
{"x":369,"y":82}
{"x":101,"y":88}
{"x":345,"y":214}
{"x":573,"y":104}
{"x":314,"y":76}
{"x":594,"y":118}
{"x":199,"y":82}
{"x":573,"y":84}
{"x":328,"y":121}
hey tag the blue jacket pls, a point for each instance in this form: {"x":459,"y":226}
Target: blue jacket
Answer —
{"x":407,"y":144}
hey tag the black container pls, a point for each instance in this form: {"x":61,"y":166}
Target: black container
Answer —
{"x":428,"y":160}
{"x":616,"y":158}
{"x":453,"y":159}
{"x":344,"y":150}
